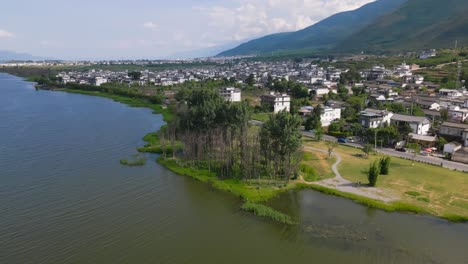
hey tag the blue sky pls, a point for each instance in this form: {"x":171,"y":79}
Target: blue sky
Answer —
{"x":115,"y":29}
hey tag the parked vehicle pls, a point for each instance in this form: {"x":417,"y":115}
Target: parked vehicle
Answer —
{"x":351,"y":139}
{"x":342,"y":140}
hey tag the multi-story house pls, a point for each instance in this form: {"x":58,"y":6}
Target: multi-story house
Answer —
{"x":419,"y":124}
{"x":277,"y":101}
{"x":230,"y":94}
{"x":374,"y":118}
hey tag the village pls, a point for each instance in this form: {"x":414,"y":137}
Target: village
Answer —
{"x":356,"y":110}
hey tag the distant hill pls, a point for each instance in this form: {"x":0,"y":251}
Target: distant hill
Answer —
{"x":322,"y":35}
{"x":205,"y":52}
{"x":417,"y":24}
{"x":6,"y":55}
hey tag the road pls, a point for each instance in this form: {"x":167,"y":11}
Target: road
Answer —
{"x":405,"y":155}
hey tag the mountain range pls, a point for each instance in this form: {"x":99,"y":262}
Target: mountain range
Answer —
{"x":380,"y":26}
{"x":6,"y":55}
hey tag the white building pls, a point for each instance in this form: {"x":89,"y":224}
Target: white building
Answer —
{"x":457,"y":114}
{"x":374,"y":118}
{"x":278,"y":102}
{"x":452,"y":147}
{"x":230,"y":94}
{"x":329,"y":115}
{"x":450,"y":93}
{"x":99,"y":80}
{"x":419,"y":125}
{"x":403,"y":70}
{"x":426,"y":54}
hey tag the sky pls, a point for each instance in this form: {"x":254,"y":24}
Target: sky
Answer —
{"x":132,"y":29}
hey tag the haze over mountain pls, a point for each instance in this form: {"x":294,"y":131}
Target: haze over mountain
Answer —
{"x":6,"y":55}
{"x":417,"y":24}
{"x":324,"y":34}
{"x":205,"y":52}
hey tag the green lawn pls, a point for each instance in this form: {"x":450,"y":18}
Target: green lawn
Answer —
{"x":316,"y":166}
{"x":263,"y":117}
{"x":440,"y":191}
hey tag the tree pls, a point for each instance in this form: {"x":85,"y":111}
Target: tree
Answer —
{"x":441,"y":143}
{"x":250,"y":80}
{"x":280,"y":138}
{"x":404,"y":129}
{"x":373,"y":174}
{"x":349,"y":113}
{"x":444,"y":114}
{"x":416,"y":148}
{"x":385,"y":165}
{"x":367,"y":149}
{"x":331,"y":145}
{"x":319,"y":134}
{"x":135,"y":75}
{"x":313,"y":121}
{"x":335,"y":127}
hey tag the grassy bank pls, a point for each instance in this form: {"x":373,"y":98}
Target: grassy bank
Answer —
{"x":249,"y":191}
{"x":153,"y":144}
{"x":135,"y":161}
{"x":432,"y":189}
{"x":132,"y":102}
{"x":316,"y":166}
{"x":267,"y":212}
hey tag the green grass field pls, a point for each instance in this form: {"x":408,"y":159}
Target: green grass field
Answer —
{"x":316,"y":166}
{"x":438,"y":190}
{"x":263,"y":117}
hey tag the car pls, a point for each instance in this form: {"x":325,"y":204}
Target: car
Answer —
{"x":342,"y":140}
{"x":351,"y":139}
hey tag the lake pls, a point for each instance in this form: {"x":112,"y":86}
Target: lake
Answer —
{"x":65,"y":198}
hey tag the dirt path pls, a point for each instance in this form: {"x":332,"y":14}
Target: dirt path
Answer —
{"x":341,"y":184}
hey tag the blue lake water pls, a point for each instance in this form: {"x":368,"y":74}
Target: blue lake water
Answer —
{"x":64,"y":198}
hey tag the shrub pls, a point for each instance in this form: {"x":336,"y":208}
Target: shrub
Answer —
{"x":412,"y":193}
{"x":373,"y":173}
{"x":385,"y":165}
{"x":137,"y":161}
{"x":267,"y":212}
{"x":423,"y":199}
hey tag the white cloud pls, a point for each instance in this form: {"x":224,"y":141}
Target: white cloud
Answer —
{"x":150,"y":25}
{"x":253,"y":18}
{"x":6,"y":34}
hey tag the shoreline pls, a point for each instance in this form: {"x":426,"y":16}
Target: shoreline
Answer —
{"x":249,"y":193}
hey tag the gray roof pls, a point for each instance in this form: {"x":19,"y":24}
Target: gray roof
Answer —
{"x":432,"y":112}
{"x":455,"y":125}
{"x":423,"y":137}
{"x":410,"y":119}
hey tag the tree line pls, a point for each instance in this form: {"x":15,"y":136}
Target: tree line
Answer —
{"x":216,"y":135}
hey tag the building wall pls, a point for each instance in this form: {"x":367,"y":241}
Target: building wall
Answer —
{"x":330,"y":115}
{"x":420,"y":129}
{"x":460,"y":157}
{"x":451,"y":131}
{"x":236,"y":97}
{"x":282,"y":105}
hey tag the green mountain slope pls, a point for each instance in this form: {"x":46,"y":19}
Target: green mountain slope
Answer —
{"x":324,"y":34}
{"x":417,"y":24}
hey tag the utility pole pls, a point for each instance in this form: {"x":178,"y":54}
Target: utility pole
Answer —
{"x":375,"y":139}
